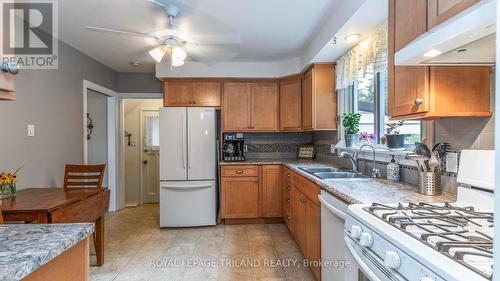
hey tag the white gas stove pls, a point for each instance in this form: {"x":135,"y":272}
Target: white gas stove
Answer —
{"x":425,"y":242}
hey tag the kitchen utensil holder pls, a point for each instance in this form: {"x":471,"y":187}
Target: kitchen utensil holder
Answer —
{"x":429,"y":183}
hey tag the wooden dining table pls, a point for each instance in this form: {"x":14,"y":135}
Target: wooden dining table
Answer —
{"x":55,"y":205}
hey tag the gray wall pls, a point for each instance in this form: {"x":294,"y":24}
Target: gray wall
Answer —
{"x":52,"y":101}
{"x":138,"y":83}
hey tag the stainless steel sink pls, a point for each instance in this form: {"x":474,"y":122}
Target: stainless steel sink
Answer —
{"x":313,"y":170}
{"x":340,"y":175}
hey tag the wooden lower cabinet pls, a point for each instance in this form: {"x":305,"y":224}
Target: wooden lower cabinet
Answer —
{"x":313,"y":236}
{"x":240,"y":197}
{"x":271,"y":191}
{"x":299,"y":219}
{"x":287,"y":194}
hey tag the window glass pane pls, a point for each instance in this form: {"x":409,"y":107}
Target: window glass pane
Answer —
{"x":411,"y":128}
{"x":365,"y":89}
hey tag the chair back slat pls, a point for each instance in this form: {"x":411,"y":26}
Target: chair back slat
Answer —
{"x":83,"y":176}
{"x":1,"y":217}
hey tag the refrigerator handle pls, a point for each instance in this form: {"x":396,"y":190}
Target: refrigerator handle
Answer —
{"x":189,"y":143}
{"x":183,"y":124}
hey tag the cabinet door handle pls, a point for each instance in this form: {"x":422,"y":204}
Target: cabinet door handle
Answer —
{"x":288,"y":175}
{"x":302,"y":200}
{"x":289,"y":218}
{"x":418,"y":101}
{"x":239,"y":171}
{"x":288,"y":200}
{"x":289,"y":188}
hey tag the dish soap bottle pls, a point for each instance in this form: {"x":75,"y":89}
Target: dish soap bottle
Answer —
{"x":393,"y":170}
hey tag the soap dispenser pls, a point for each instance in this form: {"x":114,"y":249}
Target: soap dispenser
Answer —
{"x":393,"y":170}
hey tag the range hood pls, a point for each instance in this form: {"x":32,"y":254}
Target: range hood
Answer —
{"x":465,"y":39}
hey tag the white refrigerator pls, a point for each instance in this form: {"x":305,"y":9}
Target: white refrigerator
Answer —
{"x":188,"y":193}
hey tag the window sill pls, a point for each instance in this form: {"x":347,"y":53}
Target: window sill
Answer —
{"x":381,"y":155}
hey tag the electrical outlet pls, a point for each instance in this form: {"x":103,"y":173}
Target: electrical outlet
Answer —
{"x":245,"y":148}
{"x":452,"y":162}
{"x":31,"y":130}
{"x":332,"y":148}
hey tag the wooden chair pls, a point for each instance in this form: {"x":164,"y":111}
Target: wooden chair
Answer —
{"x":83,"y":176}
{"x":1,"y":217}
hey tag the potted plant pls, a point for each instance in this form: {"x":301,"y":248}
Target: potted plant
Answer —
{"x":350,"y":121}
{"x":393,"y":138}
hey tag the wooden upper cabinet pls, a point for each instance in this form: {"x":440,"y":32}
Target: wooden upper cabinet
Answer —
{"x":177,"y":93}
{"x":236,"y":106}
{"x":191,"y":93}
{"x":408,"y":86}
{"x":441,"y":10}
{"x":422,"y":92}
{"x":291,"y":104}
{"x":271,"y":191}
{"x":264,"y":107}
{"x":324,"y":97}
{"x":206,"y":94}
{"x":250,"y":106}
{"x":307,"y":107}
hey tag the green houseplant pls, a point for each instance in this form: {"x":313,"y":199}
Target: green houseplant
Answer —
{"x":394,"y":140}
{"x":350,"y":121}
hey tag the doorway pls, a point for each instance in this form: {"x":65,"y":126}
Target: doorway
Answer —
{"x":141,"y":151}
{"x":100,"y":125}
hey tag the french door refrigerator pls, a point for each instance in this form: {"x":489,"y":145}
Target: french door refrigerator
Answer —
{"x":188,"y":192}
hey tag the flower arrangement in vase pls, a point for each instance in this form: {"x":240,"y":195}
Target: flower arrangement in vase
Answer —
{"x":366,"y":137}
{"x":8,"y":184}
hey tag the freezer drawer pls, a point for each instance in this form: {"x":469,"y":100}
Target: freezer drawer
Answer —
{"x":184,"y":204}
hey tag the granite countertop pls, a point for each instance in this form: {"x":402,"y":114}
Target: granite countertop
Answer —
{"x":26,"y":247}
{"x":356,"y":191}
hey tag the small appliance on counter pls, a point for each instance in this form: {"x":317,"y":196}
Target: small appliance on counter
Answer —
{"x":233,"y":148}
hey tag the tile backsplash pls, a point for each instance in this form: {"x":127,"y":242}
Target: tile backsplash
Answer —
{"x":275,"y":145}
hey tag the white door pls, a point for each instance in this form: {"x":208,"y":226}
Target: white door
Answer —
{"x":201,"y":143}
{"x":173,"y":148}
{"x":186,"y":203}
{"x":97,"y":134}
{"x":150,"y":156}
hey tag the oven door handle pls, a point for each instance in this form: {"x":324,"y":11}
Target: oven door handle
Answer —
{"x":359,"y":260}
{"x":330,"y":208}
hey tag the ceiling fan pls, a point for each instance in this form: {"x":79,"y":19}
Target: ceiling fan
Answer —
{"x":173,"y":41}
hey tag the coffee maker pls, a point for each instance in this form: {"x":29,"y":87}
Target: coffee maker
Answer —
{"x":233,"y":148}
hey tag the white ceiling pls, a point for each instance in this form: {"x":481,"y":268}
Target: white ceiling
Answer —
{"x":271,"y":30}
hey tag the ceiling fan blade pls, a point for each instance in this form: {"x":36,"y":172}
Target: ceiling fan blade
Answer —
{"x":120,"y":32}
{"x":158,"y":3}
{"x":215,"y":39}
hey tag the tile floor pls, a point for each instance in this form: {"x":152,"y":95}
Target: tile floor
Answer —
{"x":134,"y":241}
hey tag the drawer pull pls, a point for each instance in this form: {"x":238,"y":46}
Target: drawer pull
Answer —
{"x":302,"y":200}
{"x":288,"y":200}
{"x":288,"y":175}
{"x":239,"y":171}
{"x":289,"y":188}
{"x":418,"y":101}
{"x":289,"y":218}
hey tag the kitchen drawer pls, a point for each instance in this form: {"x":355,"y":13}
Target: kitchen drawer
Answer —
{"x":240,"y":171}
{"x":308,"y":188}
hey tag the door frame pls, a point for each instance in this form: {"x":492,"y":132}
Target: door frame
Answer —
{"x":121,"y":141}
{"x":141,"y":146}
{"x":112,"y":137}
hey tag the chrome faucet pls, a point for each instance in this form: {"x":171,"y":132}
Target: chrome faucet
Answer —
{"x":353,"y":158}
{"x":375,"y":171}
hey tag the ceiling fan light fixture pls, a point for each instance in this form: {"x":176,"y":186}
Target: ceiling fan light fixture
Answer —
{"x":178,"y":54}
{"x":158,"y":53}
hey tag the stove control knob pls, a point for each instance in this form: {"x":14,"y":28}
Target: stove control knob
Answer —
{"x":356,"y":231}
{"x":366,"y":239}
{"x":427,"y":279}
{"x":392,"y":260}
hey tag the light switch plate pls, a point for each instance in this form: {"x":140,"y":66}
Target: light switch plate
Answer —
{"x":332,"y":148}
{"x":31,"y":130}
{"x":452,"y":162}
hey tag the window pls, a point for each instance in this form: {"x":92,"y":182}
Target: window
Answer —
{"x":368,"y":96}
{"x":152,"y":131}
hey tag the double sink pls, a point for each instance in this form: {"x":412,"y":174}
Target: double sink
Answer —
{"x":329,"y":173}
